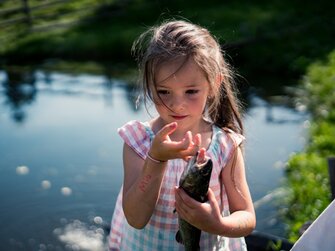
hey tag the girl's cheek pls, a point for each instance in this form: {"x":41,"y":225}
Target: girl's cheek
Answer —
{"x":194,"y":98}
{"x":160,"y":100}
{"x":164,"y":98}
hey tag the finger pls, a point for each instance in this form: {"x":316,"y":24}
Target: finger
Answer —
{"x":167,"y":130}
{"x":181,"y":198}
{"x":211,"y":198}
{"x":201,"y":156}
{"x":184,"y":144}
{"x":210,"y":194}
{"x":181,"y":207}
{"x":177,"y":195}
{"x":197,"y":140}
{"x":188,"y":202}
{"x":178,"y":199}
{"x":189,"y":153}
{"x":189,"y":146}
{"x":187,"y":140}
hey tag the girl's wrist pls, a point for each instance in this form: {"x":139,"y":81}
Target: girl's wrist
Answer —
{"x":154,"y":159}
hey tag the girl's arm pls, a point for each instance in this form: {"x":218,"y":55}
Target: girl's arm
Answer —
{"x":141,"y":186}
{"x":208,"y":217}
{"x":143,"y":178}
{"x":242,"y":219}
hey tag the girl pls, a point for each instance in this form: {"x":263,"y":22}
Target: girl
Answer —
{"x":186,"y":77}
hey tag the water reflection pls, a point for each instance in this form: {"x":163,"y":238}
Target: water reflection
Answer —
{"x":21,"y":87}
{"x":63,"y":164}
{"x":272,"y":105}
{"x":20,"y":90}
{"x":22,"y":84}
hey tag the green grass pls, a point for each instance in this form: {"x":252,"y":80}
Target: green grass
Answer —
{"x":307,"y":172}
{"x":280,"y":37}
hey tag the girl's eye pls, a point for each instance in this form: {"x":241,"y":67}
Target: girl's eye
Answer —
{"x":192,"y":91}
{"x":163,"y":92}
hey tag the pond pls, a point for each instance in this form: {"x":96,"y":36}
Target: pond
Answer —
{"x":61,"y":164}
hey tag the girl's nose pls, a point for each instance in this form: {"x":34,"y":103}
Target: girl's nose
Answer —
{"x":177,"y":104}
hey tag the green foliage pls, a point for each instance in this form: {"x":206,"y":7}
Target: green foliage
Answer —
{"x":272,"y":34}
{"x":320,"y":88}
{"x":307,"y":172}
{"x":323,"y":140}
{"x":274,"y":245}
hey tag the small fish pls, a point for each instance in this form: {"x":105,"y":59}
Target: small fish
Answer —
{"x":195,"y":182}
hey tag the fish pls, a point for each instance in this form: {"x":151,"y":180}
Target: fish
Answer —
{"x":195,"y":182}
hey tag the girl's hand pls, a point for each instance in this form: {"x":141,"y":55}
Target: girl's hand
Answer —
{"x":163,"y":148}
{"x":205,"y":216}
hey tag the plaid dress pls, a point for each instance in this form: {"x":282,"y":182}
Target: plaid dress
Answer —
{"x":160,"y":231}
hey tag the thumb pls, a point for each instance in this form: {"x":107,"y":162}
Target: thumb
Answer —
{"x":211,"y":198}
{"x":167,"y":130}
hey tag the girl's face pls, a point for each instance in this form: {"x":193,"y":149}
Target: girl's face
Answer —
{"x":182,"y":93}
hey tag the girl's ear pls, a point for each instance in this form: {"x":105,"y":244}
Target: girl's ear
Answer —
{"x":216,"y":87}
{"x":219,"y":80}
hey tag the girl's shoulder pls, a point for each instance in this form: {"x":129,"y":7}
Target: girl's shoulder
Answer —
{"x":226,"y":134}
{"x":135,"y":127}
{"x":225,"y":138}
{"x":224,"y":143}
{"x":138,"y":135}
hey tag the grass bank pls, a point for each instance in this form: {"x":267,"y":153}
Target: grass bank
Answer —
{"x":307,"y":172}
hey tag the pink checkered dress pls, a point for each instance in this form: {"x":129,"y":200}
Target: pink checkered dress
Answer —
{"x":159,"y":233}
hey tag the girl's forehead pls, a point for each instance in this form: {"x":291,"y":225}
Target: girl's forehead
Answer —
{"x":186,"y":71}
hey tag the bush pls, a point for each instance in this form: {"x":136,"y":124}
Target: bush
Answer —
{"x":307,"y":172}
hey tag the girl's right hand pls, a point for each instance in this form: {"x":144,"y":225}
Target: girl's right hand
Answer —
{"x":163,"y":148}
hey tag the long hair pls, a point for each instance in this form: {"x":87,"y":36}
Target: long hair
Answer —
{"x":181,"y":40}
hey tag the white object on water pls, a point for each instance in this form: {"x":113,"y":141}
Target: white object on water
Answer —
{"x":46,"y":184}
{"x":66,"y":191}
{"x":82,"y":237}
{"x":97,"y":220}
{"x":22,"y":170}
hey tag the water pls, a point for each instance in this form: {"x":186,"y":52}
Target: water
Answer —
{"x":61,"y":159}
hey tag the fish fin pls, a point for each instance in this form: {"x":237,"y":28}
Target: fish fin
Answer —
{"x":179,"y":238}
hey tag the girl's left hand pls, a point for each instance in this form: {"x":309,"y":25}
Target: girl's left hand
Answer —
{"x":205,"y":216}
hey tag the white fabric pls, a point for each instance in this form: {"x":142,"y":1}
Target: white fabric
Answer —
{"x":321,"y":234}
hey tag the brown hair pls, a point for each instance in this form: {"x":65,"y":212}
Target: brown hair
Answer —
{"x":183,"y":40}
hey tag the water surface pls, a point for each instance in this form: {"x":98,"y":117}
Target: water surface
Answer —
{"x":61,"y":157}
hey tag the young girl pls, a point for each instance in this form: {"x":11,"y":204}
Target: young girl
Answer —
{"x":186,"y":77}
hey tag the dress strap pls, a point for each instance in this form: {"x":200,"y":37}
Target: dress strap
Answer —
{"x":225,"y":142}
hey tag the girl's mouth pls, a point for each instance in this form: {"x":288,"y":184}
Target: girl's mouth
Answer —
{"x":178,"y":117}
